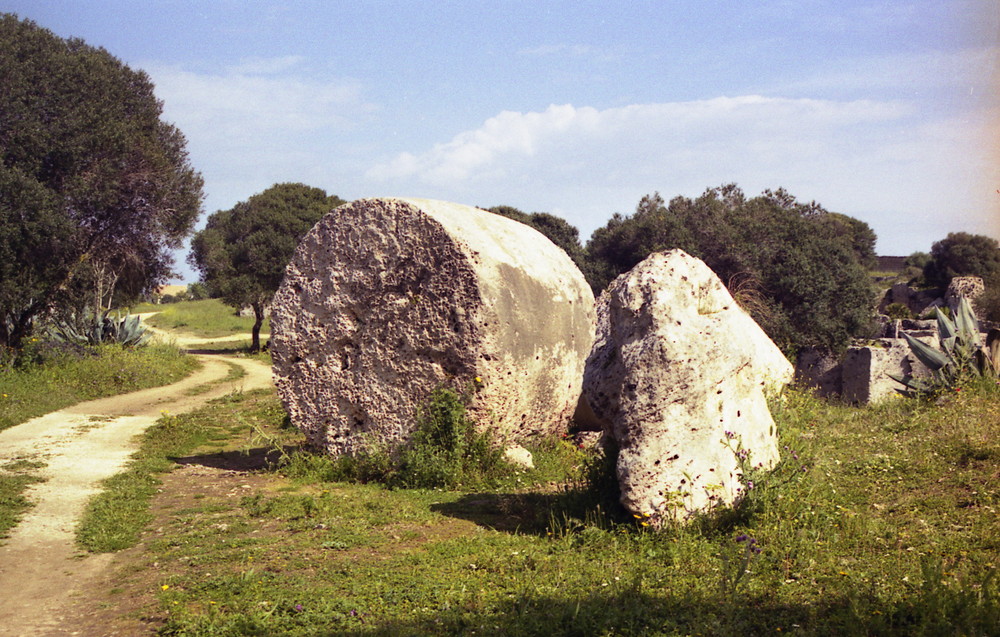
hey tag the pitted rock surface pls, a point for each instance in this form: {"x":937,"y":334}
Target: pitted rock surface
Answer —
{"x":676,"y":364}
{"x":387,"y":299}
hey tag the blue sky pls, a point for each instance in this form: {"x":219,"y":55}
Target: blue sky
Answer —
{"x":887,"y":111}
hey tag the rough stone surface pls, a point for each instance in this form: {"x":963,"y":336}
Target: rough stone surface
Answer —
{"x":519,"y":456}
{"x":968,"y":287}
{"x":676,"y":364}
{"x":819,"y":370}
{"x":866,"y":370}
{"x":387,"y":299}
{"x":861,"y":374}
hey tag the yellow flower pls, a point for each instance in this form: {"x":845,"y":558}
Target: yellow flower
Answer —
{"x":165,"y":587}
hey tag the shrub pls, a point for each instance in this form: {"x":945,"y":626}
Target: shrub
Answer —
{"x":96,"y":329}
{"x":445,"y":452}
{"x":897,"y":311}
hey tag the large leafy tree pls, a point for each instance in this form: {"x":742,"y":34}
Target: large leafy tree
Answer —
{"x":242,"y":252}
{"x":799,"y":269}
{"x":964,"y":254}
{"x":95,"y":190}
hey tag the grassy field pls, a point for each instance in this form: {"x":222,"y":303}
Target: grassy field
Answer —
{"x":48,"y":379}
{"x":882,"y":521}
{"x":60,"y":380}
{"x":210,"y":318}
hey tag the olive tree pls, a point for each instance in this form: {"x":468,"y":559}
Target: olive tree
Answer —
{"x":95,"y":190}
{"x":242,"y":252}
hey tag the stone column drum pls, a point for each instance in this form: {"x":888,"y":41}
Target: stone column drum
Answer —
{"x":387,"y":299}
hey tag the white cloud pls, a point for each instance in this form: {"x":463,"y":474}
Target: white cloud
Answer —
{"x":242,"y":102}
{"x":886,"y":162}
{"x":260,"y":122}
{"x":652,"y":135}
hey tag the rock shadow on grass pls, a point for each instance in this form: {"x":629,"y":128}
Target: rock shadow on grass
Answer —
{"x":244,"y":461}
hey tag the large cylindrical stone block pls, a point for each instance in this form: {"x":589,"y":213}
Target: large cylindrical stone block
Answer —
{"x":387,"y":299}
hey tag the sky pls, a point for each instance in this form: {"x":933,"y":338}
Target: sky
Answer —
{"x":887,"y":111}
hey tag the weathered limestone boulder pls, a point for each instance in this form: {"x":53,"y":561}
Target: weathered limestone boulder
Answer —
{"x":676,"y":365}
{"x":967,"y":287}
{"x":387,"y":299}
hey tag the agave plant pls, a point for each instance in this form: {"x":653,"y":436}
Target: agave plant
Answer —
{"x":94,"y":329}
{"x":960,"y":355}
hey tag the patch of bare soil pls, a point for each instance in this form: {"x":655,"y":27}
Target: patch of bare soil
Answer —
{"x":45,"y":576}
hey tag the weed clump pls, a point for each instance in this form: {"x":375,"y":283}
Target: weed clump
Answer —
{"x":445,"y":452}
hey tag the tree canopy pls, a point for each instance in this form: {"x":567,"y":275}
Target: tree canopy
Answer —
{"x":95,"y":190}
{"x":242,"y":252}
{"x":797,"y":268}
{"x":963,"y":254}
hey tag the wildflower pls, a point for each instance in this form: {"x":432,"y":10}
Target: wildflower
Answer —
{"x":743,"y":537}
{"x":478,"y":379}
{"x":298,"y":607}
{"x":165,"y":587}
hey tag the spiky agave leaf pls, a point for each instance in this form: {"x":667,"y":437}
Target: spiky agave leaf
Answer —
{"x":967,"y":324}
{"x":930,"y":357}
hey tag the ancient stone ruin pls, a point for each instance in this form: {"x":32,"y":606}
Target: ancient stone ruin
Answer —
{"x":860,"y":375}
{"x":681,"y":373}
{"x":386,"y":300}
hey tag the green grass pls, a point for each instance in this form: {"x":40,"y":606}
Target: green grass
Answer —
{"x":210,"y":318}
{"x":66,"y":379}
{"x":14,"y":479}
{"x":891,"y":528}
{"x":114,"y":519}
{"x":48,"y":379}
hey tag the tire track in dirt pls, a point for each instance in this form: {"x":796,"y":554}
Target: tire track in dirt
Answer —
{"x":41,"y":568}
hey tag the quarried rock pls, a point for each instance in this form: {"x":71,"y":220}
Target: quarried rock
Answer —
{"x":681,"y":373}
{"x":387,"y":299}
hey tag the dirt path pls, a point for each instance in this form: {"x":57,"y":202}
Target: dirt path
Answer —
{"x":41,"y":569}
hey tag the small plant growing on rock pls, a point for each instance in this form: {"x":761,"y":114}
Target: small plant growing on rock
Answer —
{"x":959,"y":357}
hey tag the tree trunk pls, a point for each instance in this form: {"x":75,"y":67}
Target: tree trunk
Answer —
{"x":258,"y":320}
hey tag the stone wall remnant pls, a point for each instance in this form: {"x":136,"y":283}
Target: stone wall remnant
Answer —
{"x":681,"y":374}
{"x":387,"y":299}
